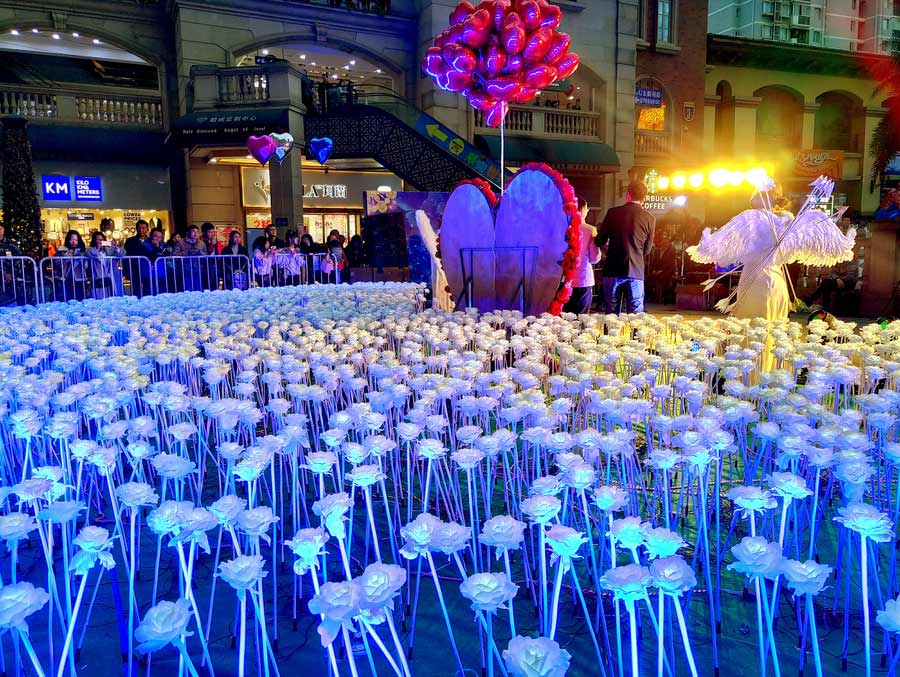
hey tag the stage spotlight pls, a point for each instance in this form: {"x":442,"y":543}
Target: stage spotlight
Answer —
{"x":695,"y":180}
{"x":679,"y":181}
{"x":736,"y":178}
{"x":680,"y":201}
{"x":662,"y":182}
{"x":757,"y":176}
{"x":718,"y":178}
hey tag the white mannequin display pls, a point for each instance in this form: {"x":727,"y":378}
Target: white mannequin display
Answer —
{"x":764,"y":241}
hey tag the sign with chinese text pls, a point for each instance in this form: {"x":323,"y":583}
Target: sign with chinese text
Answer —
{"x":215,"y":127}
{"x":333,"y":191}
{"x":648,"y":97}
{"x":814,"y":163}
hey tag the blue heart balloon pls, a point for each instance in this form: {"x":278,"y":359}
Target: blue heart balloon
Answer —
{"x":321,"y":148}
{"x":280,"y":154}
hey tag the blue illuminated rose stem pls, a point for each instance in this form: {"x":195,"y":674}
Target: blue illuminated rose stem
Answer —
{"x":440,"y":594}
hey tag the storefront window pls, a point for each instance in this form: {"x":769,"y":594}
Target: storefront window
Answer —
{"x":58,"y":221}
{"x":319,"y":225}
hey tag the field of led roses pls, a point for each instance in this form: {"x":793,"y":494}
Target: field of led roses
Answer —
{"x":191,"y":480}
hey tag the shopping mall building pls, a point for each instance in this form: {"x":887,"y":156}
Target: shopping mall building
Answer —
{"x":144,"y":108}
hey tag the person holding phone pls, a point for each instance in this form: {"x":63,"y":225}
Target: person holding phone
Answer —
{"x":290,"y":260}
{"x":70,"y":273}
{"x":105,"y":273}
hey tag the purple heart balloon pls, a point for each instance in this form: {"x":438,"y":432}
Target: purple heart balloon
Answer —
{"x":261,"y":148}
{"x":321,"y":148}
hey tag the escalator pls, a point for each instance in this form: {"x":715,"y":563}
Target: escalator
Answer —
{"x":374,"y":123}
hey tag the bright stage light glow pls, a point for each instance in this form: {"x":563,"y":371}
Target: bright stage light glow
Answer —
{"x":662,"y":182}
{"x":680,"y":201}
{"x":718,"y":178}
{"x":736,"y":178}
{"x":757,"y":176}
{"x":695,"y":180}
{"x":679,"y":181}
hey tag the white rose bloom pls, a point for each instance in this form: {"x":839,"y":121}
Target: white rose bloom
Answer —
{"x":242,"y":572}
{"x":136,"y":494}
{"x":536,"y":657}
{"x":163,"y":624}
{"x":18,"y":601}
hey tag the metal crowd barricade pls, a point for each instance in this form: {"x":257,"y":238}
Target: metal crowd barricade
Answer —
{"x":323,"y":269}
{"x":283,"y":269}
{"x":288,"y":269}
{"x":201,"y":273}
{"x":76,"y":278}
{"x":18,"y":281}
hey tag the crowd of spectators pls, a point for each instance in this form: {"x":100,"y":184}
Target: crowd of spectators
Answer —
{"x":195,"y":261}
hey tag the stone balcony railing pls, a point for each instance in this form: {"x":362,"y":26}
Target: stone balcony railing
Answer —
{"x":538,"y":121}
{"x":82,"y":106}
{"x":652,"y":143}
{"x":275,"y":84}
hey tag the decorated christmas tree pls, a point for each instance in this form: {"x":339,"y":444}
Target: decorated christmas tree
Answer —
{"x":21,"y":211}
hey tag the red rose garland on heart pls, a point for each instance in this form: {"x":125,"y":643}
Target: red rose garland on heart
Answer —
{"x":501,"y":52}
{"x":572,"y":255}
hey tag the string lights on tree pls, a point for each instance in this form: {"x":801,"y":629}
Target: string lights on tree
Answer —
{"x":21,"y":210}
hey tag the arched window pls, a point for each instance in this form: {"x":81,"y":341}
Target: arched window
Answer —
{"x":779,"y":119}
{"x":652,"y":118}
{"x":840,"y":122}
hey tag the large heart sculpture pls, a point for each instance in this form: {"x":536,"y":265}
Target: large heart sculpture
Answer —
{"x":321,"y":149}
{"x":513,"y":253}
{"x":262,"y":148}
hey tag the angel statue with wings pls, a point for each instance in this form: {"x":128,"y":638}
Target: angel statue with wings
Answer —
{"x":767,"y":237}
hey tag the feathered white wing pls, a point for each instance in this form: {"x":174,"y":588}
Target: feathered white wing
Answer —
{"x":746,"y":234}
{"x":441,"y":299}
{"x":814,"y":239}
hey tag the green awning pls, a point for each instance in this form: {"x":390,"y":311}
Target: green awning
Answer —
{"x":228,"y":126}
{"x":555,"y":152}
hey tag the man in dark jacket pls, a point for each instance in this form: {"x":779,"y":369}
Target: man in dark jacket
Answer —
{"x":628,"y":230}
{"x":134,"y":245}
{"x":135,"y":269}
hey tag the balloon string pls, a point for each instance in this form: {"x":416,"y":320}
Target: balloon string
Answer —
{"x":502,"y":156}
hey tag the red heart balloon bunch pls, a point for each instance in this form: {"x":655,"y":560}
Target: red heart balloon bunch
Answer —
{"x":501,"y":52}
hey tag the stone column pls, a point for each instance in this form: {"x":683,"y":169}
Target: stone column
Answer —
{"x":809,"y":125}
{"x":710,"y":104}
{"x":745,"y":124}
{"x":286,"y":179}
{"x":869,"y":200}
